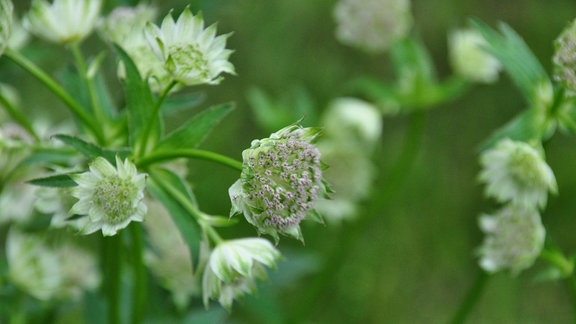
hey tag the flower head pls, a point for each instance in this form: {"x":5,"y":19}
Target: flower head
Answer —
{"x":469,"y":59}
{"x":280,"y":182}
{"x":514,"y":239}
{"x":353,"y":120}
{"x":191,"y":54}
{"x":6,"y":20}
{"x":564,"y":59}
{"x":372,"y":25}
{"x":124,"y":23}
{"x":63,"y":21}
{"x":517,"y":172}
{"x":234,"y":266}
{"x":110,"y":196}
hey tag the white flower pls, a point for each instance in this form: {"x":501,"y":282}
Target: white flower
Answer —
{"x":6,"y":21}
{"x":372,"y":25}
{"x":124,"y":23}
{"x":353,"y":120}
{"x":280,"y":182}
{"x":46,"y":270}
{"x":517,"y":172}
{"x":469,"y":59}
{"x":63,"y":21}
{"x":110,"y":196}
{"x":514,"y":239}
{"x":234,"y":266}
{"x":193,"y":55}
{"x":169,"y":256}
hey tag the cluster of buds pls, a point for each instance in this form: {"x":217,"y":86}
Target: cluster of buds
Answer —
{"x":564,"y":59}
{"x":280,"y":182}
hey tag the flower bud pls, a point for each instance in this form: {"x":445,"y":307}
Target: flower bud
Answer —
{"x":280,"y":182}
{"x":234,"y":266}
{"x":514,"y":239}
{"x":372,"y":25}
{"x":516,"y":172}
{"x":469,"y":59}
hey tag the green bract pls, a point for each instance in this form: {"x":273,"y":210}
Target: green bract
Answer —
{"x":63,"y":21}
{"x":280,"y":182}
{"x":111,"y":196}
{"x":234,"y":266}
{"x":191,"y":54}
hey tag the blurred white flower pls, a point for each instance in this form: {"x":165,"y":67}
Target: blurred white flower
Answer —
{"x":280,"y":182}
{"x":469,"y":59}
{"x":352,"y":120}
{"x":6,"y":22}
{"x":47,"y":270}
{"x":516,"y":172}
{"x":19,"y":37}
{"x":192,"y":55}
{"x":514,"y":239}
{"x":564,"y":59}
{"x":111,"y":197}
{"x":372,"y":25}
{"x":63,"y":21}
{"x":234,"y":266}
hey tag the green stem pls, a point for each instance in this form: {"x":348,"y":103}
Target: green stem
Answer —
{"x":155,"y":114}
{"x":18,"y":116}
{"x":470,"y":299}
{"x":44,"y":78}
{"x":88,"y":83}
{"x":112,"y":276}
{"x":139,"y":294}
{"x":157,"y":157}
{"x":380,"y":198}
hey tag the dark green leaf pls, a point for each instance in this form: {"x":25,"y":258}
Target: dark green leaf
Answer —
{"x":92,"y":151}
{"x":161,"y":185}
{"x":193,"y":132}
{"x":60,"y":181}
{"x":182,"y":102}
{"x":140,"y":102}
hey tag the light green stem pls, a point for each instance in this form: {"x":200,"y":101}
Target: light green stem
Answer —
{"x":470,"y":299}
{"x":157,"y":157}
{"x":139,"y":292}
{"x":72,"y":104}
{"x":112,"y":272}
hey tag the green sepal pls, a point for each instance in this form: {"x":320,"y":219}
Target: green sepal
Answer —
{"x":516,"y":58}
{"x":193,"y":132}
{"x":315,"y":216}
{"x":188,"y":226}
{"x":58,"y":181}
{"x":220,"y":221}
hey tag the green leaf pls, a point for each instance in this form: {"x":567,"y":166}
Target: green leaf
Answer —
{"x":139,"y":99}
{"x":162,"y":185}
{"x":518,"y":60}
{"x":180,"y":102}
{"x":527,"y":126}
{"x":60,"y":181}
{"x":92,"y":151}
{"x":193,"y":132}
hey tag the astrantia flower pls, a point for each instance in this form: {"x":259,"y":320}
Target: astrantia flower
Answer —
{"x":372,"y":25}
{"x":514,"y":239}
{"x":469,"y":59}
{"x":110,"y":196}
{"x":280,"y":182}
{"x":193,"y":55}
{"x":515,"y":171}
{"x":6,"y":20}
{"x":233,"y":268}
{"x":353,"y":120}
{"x":564,"y":58}
{"x":63,"y":21}
{"x":126,"y":22}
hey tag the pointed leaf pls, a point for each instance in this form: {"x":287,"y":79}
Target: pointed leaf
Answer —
{"x":91,"y":150}
{"x":60,"y":181}
{"x":193,"y":132}
{"x":162,"y":183}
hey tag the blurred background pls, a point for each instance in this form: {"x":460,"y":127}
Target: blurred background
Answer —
{"x":409,"y":256}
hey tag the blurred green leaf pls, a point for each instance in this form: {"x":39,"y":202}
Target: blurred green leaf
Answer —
{"x":176,"y":103}
{"x":92,"y":151}
{"x":526,"y":126}
{"x":193,"y":132}
{"x":60,"y":181}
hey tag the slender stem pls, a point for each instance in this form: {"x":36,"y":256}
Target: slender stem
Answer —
{"x":155,"y":114}
{"x":139,"y":296}
{"x":44,"y":78}
{"x":470,"y":299}
{"x":18,"y":116}
{"x":88,"y":83}
{"x":157,"y":157}
{"x":112,"y":276}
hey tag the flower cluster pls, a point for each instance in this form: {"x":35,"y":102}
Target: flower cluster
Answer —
{"x":280,"y":182}
{"x":564,"y":59}
{"x":234,"y":266}
{"x":372,"y":25}
{"x":110,"y":196}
